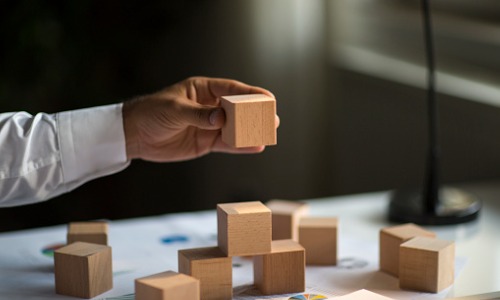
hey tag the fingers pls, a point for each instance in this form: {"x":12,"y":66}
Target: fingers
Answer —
{"x":208,"y":90}
{"x":221,"y":87}
{"x":204,"y":117}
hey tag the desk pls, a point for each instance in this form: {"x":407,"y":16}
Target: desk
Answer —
{"x":478,"y":242}
{"x":149,"y":245}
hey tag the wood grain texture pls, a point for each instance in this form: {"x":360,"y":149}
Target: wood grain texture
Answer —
{"x":212,"y":267}
{"x":390,"y":238}
{"x":167,"y":285}
{"x":90,"y":232}
{"x":318,"y":235}
{"x":426,"y":264}
{"x":282,"y":271}
{"x":244,"y":228}
{"x":250,"y":120}
{"x":286,"y":216}
{"x":83,"y":270}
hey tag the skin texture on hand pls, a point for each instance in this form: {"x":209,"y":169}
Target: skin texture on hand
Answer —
{"x":182,"y":121}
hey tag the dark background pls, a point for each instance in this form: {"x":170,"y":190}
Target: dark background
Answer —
{"x":341,"y":131}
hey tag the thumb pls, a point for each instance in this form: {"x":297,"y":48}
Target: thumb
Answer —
{"x":205,"y":117}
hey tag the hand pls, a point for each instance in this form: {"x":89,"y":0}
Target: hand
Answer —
{"x":182,"y":121}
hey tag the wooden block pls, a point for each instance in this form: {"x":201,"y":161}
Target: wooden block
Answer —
{"x":318,"y":235}
{"x":286,"y":216}
{"x":426,"y":264}
{"x":212,"y":267}
{"x":390,"y":238}
{"x":363,"y":295}
{"x":244,"y":228}
{"x":282,"y":271}
{"x":90,"y":232}
{"x":250,"y":120}
{"x":167,"y":286}
{"x":83,"y":270}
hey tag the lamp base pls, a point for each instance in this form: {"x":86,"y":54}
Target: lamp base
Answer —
{"x":455,"y":207}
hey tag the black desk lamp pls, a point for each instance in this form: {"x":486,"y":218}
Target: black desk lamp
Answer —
{"x":433,"y":205}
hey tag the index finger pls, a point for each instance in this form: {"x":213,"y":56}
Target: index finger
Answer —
{"x":213,"y":88}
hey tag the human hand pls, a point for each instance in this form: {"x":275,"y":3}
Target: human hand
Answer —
{"x":182,"y":121}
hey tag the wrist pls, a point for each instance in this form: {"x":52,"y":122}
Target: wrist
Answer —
{"x":130,"y":130}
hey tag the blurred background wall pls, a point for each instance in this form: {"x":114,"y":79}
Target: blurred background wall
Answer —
{"x":348,"y":76}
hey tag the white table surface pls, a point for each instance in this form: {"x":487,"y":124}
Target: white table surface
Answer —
{"x":360,"y":219}
{"x":478,"y":242}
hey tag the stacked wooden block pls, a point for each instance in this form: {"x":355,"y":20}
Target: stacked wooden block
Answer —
{"x":244,"y":229}
{"x":167,"y":285}
{"x":282,"y":270}
{"x":212,"y":268}
{"x":90,"y":232}
{"x":414,"y":255}
{"x":318,"y":235}
{"x":83,"y":268}
{"x":286,"y":216}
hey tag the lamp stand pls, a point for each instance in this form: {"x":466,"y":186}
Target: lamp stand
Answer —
{"x":454,"y":206}
{"x":433,"y":205}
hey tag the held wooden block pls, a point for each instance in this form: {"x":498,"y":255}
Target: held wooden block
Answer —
{"x":167,"y":286}
{"x":426,"y":264}
{"x":212,"y":267}
{"x":250,"y":120}
{"x":83,"y":270}
{"x":390,"y":238}
{"x":319,"y":237}
{"x":286,"y":216}
{"x":244,"y":228}
{"x":90,"y":232}
{"x":363,"y":295}
{"x":282,"y":271}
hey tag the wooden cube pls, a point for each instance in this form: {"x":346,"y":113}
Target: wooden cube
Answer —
{"x":426,"y":264}
{"x":363,"y":295}
{"x":286,"y":216}
{"x":250,"y":120}
{"x":318,"y":235}
{"x":390,"y":238}
{"x":90,"y":232}
{"x":212,"y":267}
{"x":282,"y":271}
{"x":244,"y":228}
{"x":167,"y":286}
{"x":83,"y":270}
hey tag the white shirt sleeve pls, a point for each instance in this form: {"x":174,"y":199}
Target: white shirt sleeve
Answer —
{"x":45,"y":155}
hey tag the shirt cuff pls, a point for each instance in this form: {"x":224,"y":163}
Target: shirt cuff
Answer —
{"x":92,"y":143}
